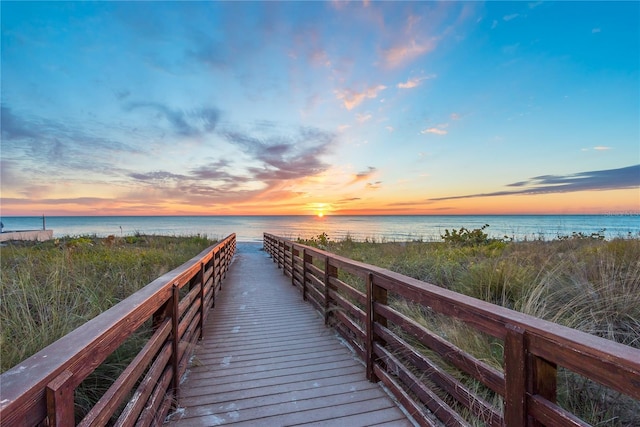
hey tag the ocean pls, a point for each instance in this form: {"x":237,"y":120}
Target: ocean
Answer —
{"x":378,"y":228}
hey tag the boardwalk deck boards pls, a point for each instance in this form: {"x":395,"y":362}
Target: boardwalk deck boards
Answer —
{"x":268,"y":359}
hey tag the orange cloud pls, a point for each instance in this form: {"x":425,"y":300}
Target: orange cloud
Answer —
{"x":407,"y":52}
{"x":352,"y":99}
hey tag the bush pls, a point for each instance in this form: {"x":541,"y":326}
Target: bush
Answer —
{"x":465,"y":237}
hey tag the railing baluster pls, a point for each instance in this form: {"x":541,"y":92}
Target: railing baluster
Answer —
{"x":60,"y":400}
{"x":542,"y":378}
{"x":202,"y":308}
{"x":304,"y":273}
{"x":515,"y":412}
{"x":370,"y":334}
{"x":326,"y":290}
{"x":175,"y":340}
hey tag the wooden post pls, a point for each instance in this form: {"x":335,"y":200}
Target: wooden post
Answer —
{"x":542,"y":377}
{"x":293,"y":265}
{"x":60,"y":401}
{"x":175,"y":342}
{"x":326,"y":290}
{"x":213,"y":281}
{"x":369,"y":329}
{"x":203,"y":309}
{"x":304,"y":274}
{"x":515,"y":399}
{"x":375,"y":294}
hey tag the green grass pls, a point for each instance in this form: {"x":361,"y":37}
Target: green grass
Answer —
{"x":583,"y":282}
{"x":48,"y":289}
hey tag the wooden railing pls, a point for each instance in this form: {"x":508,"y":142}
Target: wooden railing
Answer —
{"x":40,"y":390}
{"x":533,"y":349}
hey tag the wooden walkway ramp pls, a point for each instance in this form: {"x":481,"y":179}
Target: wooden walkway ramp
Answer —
{"x":267,"y":359}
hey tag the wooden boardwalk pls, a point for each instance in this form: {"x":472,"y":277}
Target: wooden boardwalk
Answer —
{"x":268,"y":360}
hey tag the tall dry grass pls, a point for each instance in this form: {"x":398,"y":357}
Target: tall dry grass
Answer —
{"x":48,"y":289}
{"x":580,"y":281}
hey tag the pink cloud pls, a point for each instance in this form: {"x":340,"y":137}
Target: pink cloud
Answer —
{"x":352,"y":99}
{"x":436,"y":131}
{"x":414,"y":82}
{"x":407,"y":52}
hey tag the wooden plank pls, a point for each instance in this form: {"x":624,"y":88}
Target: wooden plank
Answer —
{"x":22,"y":395}
{"x":476,"y":405}
{"x":137,"y":403}
{"x":478,"y":369}
{"x":612,"y":364}
{"x":109,"y":402}
{"x":437,"y":406}
{"x":515,"y":374}
{"x":550,"y":414}
{"x":60,"y":400}
{"x":268,"y":359}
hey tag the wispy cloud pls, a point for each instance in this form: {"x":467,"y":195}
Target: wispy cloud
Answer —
{"x":414,"y":82}
{"x":351,"y":98}
{"x":63,"y":146}
{"x":510,"y":17}
{"x":361,"y":118}
{"x":407,"y":52}
{"x":184,"y":123}
{"x":285,"y":157}
{"x":364,"y":175}
{"x":439,"y":130}
{"x":610,"y":179}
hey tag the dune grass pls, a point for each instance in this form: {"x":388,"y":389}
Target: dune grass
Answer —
{"x":48,"y":289}
{"x":581,"y":281}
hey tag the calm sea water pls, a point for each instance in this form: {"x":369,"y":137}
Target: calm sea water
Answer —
{"x":389,"y":228}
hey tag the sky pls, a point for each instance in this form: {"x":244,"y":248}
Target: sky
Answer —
{"x":284,"y":108}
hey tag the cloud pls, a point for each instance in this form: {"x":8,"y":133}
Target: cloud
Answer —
{"x":363,"y":117}
{"x":364,"y":175}
{"x":14,"y":127}
{"x":59,"y":147}
{"x":374,"y":185}
{"x":610,"y":179}
{"x":389,"y":128}
{"x":285,"y":157}
{"x":596,"y":30}
{"x":352,"y":99}
{"x":156,"y":176}
{"x":434,"y":130}
{"x":414,"y":82}
{"x":407,"y":52}
{"x":510,"y":17}
{"x":184,"y":123}
{"x":598,"y":148}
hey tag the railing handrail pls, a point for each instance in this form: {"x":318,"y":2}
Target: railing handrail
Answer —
{"x":530,"y":339}
{"x":22,"y":392}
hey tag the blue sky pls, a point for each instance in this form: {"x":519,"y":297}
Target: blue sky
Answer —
{"x":303,"y":107}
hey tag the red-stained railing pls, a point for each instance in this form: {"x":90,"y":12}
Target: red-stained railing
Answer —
{"x":40,"y":390}
{"x":434,"y":379}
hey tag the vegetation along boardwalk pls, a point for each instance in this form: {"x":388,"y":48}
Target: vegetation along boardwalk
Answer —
{"x":265,"y":354}
{"x":268,"y":359}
